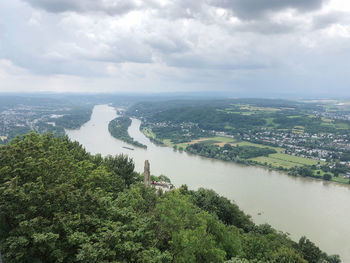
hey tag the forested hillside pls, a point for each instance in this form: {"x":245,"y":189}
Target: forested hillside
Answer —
{"x":59,"y":203}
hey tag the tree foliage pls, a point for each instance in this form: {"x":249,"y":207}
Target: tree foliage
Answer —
{"x":58,"y":203}
{"x":228,"y":152}
{"x":118,"y":128}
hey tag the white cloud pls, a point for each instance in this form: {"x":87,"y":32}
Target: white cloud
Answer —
{"x":161,"y":45}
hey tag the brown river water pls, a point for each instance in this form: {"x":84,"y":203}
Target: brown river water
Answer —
{"x":299,"y":206}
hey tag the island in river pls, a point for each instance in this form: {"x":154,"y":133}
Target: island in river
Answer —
{"x":118,"y":128}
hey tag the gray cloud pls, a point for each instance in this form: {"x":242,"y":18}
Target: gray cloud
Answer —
{"x":253,"y":13}
{"x":179,"y":44}
{"x":268,"y":27}
{"x":325,"y":20}
{"x":182,"y":9}
{"x":244,"y":9}
{"x":111,"y":7}
{"x":254,"y":9}
{"x":225,"y":61}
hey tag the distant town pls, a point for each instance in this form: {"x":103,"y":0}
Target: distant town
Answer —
{"x":308,"y":134}
{"x":20,"y":115}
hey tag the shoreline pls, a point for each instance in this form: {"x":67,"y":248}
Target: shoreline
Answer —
{"x":161,"y":143}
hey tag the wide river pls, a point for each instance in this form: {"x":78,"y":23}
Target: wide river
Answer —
{"x":299,"y":206}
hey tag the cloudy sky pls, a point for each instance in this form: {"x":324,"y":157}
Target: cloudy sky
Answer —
{"x":245,"y":47}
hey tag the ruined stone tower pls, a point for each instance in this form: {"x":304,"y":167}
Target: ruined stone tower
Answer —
{"x":146,"y":174}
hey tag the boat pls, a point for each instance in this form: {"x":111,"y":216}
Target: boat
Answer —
{"x":131,"y":149}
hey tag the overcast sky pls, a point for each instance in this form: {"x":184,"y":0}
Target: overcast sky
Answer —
{"x":246,"y":47}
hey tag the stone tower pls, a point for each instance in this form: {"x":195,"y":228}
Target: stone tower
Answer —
{"x":146,"y":174}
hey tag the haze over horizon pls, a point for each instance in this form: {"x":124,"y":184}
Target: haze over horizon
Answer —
{"x":248,"y":48}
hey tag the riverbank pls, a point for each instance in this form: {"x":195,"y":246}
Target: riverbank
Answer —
{"x":277,"y":161}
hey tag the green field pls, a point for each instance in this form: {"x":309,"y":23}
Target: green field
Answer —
{"x":327,"y":120}
{"x":244,"y":143}
{"x":275,"y":163}
{"x":222,"y":139}
{"x":285,"y":160}
{"x":237,"y":112}
{"x":340,"y":179}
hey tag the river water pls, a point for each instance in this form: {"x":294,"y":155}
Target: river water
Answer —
{"x":300,"y":206}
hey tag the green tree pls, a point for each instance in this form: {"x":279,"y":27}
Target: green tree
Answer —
{"x":123,"y":166}
{"x":309,"y":250}
{"x":182,"y":226}
{"x":327,"y":177}
{"x":227,"y":212}
{"x":60,"y":204}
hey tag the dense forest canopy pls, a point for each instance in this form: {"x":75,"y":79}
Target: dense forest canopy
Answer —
{"x":59,"y":203}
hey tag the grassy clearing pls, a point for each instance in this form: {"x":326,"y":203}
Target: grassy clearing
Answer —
{"x":327,"y":120}
{"x":298,"y":129}
{"x":209,"y":142}
{"x":285,"y":160}
{"x":222,"y":139}
{"x":265,"y":109}
{"x":327,"y":124}
{"x":213,"y":140}
{"x":238,"y":112}
{"x":340,"y":179}
{"x":244,"y":143}
{"x":275,"y":163}
{"x":247,"y":113}
{"x":293,"y":159}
